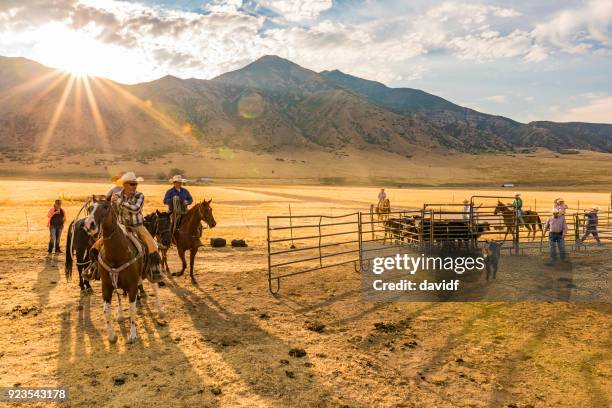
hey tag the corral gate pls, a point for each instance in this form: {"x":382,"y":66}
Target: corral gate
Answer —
{"x":316,"y":242}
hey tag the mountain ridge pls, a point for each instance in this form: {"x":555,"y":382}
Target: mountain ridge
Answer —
{"x":270,"y":104}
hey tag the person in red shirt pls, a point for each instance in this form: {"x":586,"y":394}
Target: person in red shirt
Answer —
{"x":56,"y":219}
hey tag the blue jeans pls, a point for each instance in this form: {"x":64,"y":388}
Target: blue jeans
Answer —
{"x":556,"y":240}
{"x":55,"y":232}
{"x":519,"y":214}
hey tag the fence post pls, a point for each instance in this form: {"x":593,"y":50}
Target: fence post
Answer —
{"x":577,"y":231}
{"x":372,"y":220}
{"x":517,"y":232}
{"x":360,"y":241}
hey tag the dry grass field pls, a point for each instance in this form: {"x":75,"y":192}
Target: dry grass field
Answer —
{"x":542,"y":169}
{"x":226,"y":341}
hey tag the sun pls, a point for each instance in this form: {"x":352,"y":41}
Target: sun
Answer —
{"x":79,"y":52}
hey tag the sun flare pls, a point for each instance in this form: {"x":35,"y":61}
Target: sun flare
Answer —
{"x":82,"y":53}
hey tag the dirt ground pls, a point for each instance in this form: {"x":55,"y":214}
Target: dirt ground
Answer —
{"x":226,"y":341}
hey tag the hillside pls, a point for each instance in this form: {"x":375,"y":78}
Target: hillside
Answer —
{"x":269,"y":105}
{"x":469,"y":124}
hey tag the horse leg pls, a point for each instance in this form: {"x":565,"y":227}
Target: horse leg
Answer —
{"x":120,"y":317}
{"x":181,"y":253}
{"x":161,"y":313}
{"x":81,"y":280}
{"x":107,"y":296}
{"x":192,"y":255}
{"x":165,"y":260}
{"x":132,"y":310}
{"x":141,"y":291}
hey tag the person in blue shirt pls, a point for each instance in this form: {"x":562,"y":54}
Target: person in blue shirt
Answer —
{"x":590,"y":225}
{"x":183,"y":197}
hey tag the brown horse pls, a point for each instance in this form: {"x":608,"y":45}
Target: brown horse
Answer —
{"x":383,"y":209}
{"x":531,"y":218}
{"x":121,"y":264}
{"x":187,"y":235}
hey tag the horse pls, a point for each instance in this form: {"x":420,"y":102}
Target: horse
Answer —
{"x":383,"y":209}
{"x":531,"y":218}
{"x":78,"y":243}
{"x":159,"y":226}
{"x":187,"y":234}
{"x":121,"y":263}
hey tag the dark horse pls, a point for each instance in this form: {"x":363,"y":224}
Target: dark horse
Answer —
{"x":120,"y":262}
{"x":159,"y":226}
{"x":531,"y":218}
{"x":187,"y":235}
{"x":78,"y":243}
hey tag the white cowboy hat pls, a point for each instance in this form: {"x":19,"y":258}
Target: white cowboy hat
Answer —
{"x":558,"y":200}
{"x":178,"y":178}
{"x":516,"y":194}
{"x":595,"y":207}
{"x":130,"y":176}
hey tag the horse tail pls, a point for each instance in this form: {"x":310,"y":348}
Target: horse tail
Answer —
{"x":539,"y":221}
{"x":68,"y":267}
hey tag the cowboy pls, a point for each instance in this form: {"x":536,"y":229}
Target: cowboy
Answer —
{"x":129,"y":204}
{"x":559,"y":205}
{"x":590,"y":224}
{"x":382,"y":196}
{"x":518,"y":207}
{"x":177,"y":199}
{"x":558,"y":229}
{"x":56,"y":220}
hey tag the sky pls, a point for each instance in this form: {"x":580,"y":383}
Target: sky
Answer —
{"x":524,"y":59}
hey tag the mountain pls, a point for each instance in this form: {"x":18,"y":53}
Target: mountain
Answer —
{"x":461,"y":121}
{"x":268,"y":105}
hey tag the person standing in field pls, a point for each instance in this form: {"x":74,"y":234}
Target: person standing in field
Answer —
{"x":56,"y":217}
{"x":518,"y":207}
{"x":558,"y":229}
{"x":591,"y":221}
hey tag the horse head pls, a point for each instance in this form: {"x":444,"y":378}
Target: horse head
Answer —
{"x":100,"y":209}
{"x":206,"y":213}
{"x":500,"y":208}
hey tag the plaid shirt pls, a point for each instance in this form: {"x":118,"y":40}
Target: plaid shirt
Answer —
{"x":130,"y":209}
{"x":556,"y":225}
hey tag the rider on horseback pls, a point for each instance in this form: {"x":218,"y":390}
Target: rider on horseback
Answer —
{"x":518,"y":207}
{"x":381,"y":197}
{"x":177,"y":199}
{"x":129,"y":203}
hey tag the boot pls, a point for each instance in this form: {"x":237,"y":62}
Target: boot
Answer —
{"x":153,"y":262}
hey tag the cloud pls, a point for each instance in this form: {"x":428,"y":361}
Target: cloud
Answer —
{"x":489,"y":45}
{"x":595,"y":110}
{"x":297,"y":10}
{"x":225,"y":34}
{"x":578,"y":30}
{"x":496,"y":98}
